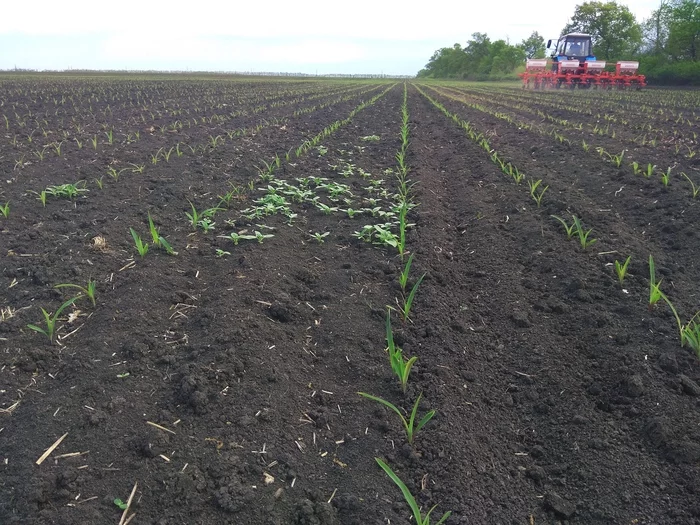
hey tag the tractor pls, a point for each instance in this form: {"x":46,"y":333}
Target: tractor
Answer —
{"x":574,"y":65}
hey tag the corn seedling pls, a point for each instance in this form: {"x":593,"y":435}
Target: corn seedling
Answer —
{"x":166,"y":154}
{"x":400,"y":366}
{"x":409,"y":424}
{"x":141,"y":246}
{"x":621,"y":269}
{"x":583,"y":235}
{"x":57,"y":147}
{"x":40,"y":195}
{"x":536,"y":196}
{"x":617,"y":159}
{"x":690,"y":332}
{"x":635,"y":168}
{"x":417,"y":514}
{"x":570,"y":229}
{"x":94,"y":141}
{"x":513,"y":172}
{"x":88,"y":290}
{"x":696,"y":189}
{"x":196,"y":217}
{"x":99,"y":182}
{"x":401,"y":246}
{"x":649,"y":171}
{"x":157,"y":239}
{"x":666,"y":177}
{"x":403,"y":277}
{"x":654,"y":288}
{"x":222,"y":253}
{"x":137,"y":168}
{"x":114,"y":173}
{"x":408,"y":301}
{"x":50,"y":320}
{"x":5,"y":209}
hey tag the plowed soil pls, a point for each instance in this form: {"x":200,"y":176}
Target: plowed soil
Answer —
{"x":223,"y":385}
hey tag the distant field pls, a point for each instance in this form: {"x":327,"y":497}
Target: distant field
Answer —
{"x":220,"y":370}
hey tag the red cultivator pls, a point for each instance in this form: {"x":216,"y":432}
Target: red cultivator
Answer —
{"x":573,"y":73}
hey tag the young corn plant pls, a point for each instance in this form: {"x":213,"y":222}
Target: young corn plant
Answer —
{"x":88,"y":290}
{"x":141,"y":246}
{"x":400,"y":365}
{"x":655,"y":292}
{"x":196,"y":217}
{"x":666,"y":177}
{"x":649,"y":171}
{"x":5,"y":209}
{"x":582,"y":234}
{"x":621,"y":269}
{"x":40,"y":196}
{"x":158,"y":240}
{"x":696,"y":189}
{"x":50,"y":320}
{"x":405,"y":309}
{"x":635,"y":168}
{"x":570,"y":229}
{"x":689,"y":333}
{"x":417,"y":514}
{"x":403,"y":277}
{"x":401,"y":245}
{"x":537,"y":196}
{"x":409,"y":424}
{"x":617,"y":159}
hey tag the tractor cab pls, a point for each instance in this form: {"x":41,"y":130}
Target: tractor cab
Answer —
{"x":574,"y":46}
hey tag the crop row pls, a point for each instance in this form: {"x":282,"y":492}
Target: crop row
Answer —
{"x":688,"y":330}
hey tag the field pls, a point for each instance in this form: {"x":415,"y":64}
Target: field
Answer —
{"x":242,"y":252}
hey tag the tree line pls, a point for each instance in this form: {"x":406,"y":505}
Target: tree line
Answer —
{"x":667,"y":44}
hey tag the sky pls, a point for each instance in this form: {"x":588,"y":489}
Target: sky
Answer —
{"x":307,"y":36}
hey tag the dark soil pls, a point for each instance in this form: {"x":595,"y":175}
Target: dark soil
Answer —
{"x":225,"y":386}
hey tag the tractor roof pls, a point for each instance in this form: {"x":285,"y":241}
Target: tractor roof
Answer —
{"x":578,"y":35}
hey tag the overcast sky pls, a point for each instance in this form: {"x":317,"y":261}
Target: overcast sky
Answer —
{"x":311,"y":36}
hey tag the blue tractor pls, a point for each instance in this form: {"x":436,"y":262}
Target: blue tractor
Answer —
{"x":574,"y":46}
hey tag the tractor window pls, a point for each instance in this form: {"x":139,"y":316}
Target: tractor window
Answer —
{"x":577,"y":48}
{"x":560,"y":46}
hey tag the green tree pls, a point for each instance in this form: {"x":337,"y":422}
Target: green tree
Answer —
{"x":684,"y":31}
{"x":504,"y":58}
{"x":445,"y":62}
{"x":613,"y":28}
{"x":478,"y":52}
{"x":533,"y":46}
{"x":655,"y":29}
